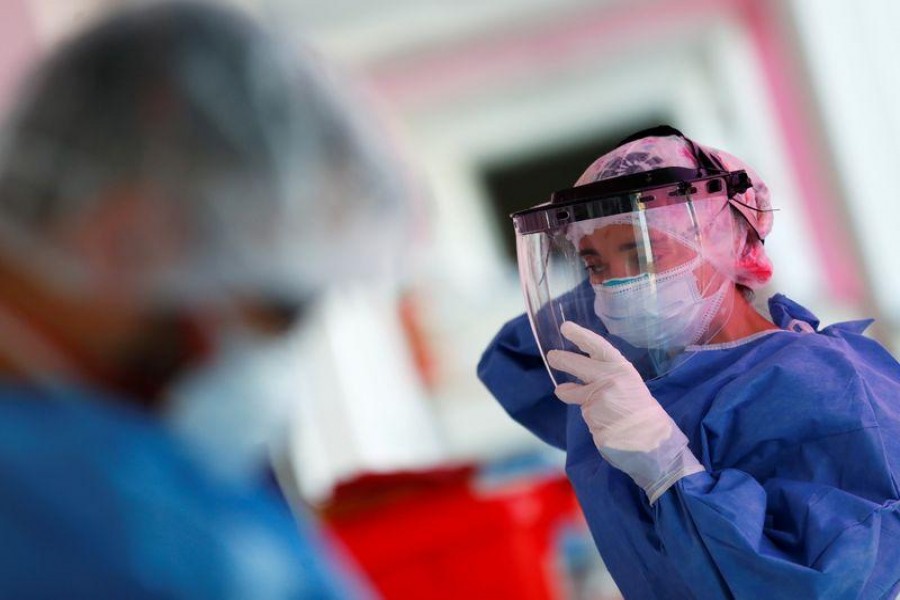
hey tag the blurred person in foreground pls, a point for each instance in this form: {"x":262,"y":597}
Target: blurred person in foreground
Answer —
{"x":176,"y":188}
{"x":717,"y":452}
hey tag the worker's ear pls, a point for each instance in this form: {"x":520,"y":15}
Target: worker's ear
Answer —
{"x":167,"y":346}
{"x":747,"y":241}
{"x":199,"y":336}
{"x":745,"y":237}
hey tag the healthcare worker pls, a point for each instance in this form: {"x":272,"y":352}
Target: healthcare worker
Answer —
{"x":716,"y":452}
{"x":176,"y":189}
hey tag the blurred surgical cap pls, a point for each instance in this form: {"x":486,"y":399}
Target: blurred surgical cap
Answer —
{"x":235,"y":163}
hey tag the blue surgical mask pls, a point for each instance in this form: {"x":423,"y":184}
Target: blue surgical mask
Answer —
{"x":666,"y":310}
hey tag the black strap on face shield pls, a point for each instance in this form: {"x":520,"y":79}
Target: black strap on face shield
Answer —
{"x":705,"y":161}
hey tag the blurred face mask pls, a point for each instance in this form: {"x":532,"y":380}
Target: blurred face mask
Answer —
{"x":668,"y":313}
{"x":232,"y":410}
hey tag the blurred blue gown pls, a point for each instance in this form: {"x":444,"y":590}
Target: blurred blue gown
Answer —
{"x":800,"y":436}
{"x":98,"y":501}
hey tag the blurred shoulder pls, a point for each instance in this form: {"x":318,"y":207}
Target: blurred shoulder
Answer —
{"x":100,"y":499}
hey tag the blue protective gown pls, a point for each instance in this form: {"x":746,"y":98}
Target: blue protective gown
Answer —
{"x":800,"y":436}
{"x":98,"y":501}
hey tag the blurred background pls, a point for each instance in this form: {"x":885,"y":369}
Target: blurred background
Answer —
{"x":497,"y":104}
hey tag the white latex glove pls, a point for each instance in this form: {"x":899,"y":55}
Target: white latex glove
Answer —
{"x":629,"y":427}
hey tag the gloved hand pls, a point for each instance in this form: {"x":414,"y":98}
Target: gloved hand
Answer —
{"x":629,"y":427}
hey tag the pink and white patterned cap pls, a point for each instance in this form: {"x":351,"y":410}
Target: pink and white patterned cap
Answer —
{"x":753,"y":268}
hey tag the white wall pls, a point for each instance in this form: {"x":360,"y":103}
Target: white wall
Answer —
{"x":851,"y":49}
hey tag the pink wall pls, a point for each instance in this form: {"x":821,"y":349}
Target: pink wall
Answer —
{"x":795,"y":111}
{"x":19,"y":46}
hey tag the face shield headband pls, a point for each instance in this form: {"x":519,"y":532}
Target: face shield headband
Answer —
{"x":627,"y":194}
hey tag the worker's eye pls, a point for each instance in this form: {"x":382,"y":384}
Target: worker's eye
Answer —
{"x":595,"y":269}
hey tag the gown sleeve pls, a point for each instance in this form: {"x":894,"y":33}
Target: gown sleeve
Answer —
{"x":800,"y":499}
{"x":514,"y":372}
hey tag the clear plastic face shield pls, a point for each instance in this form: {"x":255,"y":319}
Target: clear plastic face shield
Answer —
{"x":646,"y":260}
